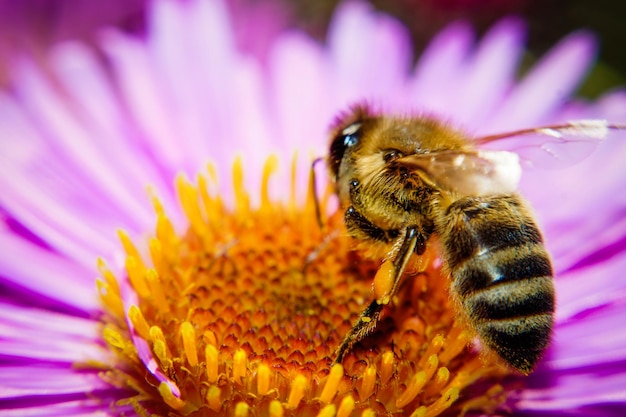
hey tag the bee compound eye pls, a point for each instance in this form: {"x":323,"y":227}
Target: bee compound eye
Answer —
{"x":350,"y":140}
{"x":392,"y":154}
{"x":347,"y":138}
{"x":350,"y":135}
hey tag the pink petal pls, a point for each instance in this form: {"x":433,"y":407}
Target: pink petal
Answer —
{"x":547,"y":85}
{"x":590,"y":339}
{"x":61,"y":125}
{"x":39,"y":335}
{"x":15,"y":381}
{"x":440,"y":67}
{"x":370,"y":54}
{"x":488,"y":75}
{"x":51,"y":276}
{"x":585,"y":288}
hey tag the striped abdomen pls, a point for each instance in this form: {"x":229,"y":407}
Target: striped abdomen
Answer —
{"x":501,"y":275}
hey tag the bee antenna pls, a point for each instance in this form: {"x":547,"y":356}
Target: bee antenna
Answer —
{"x":316,"y":200}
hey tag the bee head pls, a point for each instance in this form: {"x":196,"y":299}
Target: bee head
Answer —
{"x":346,"y":135}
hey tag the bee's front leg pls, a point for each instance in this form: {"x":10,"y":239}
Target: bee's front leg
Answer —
{"x":386,"y":284}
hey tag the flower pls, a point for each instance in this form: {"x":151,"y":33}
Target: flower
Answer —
{"x":82,"y":142}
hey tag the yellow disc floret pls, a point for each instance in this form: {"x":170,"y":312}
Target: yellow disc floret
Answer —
{"x":240,"y":316}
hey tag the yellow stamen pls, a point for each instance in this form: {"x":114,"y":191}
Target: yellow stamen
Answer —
{"x":187,"y":195}
{"x":156,"y":254}
{"x":139,"y":322}
{"x":271,"y":166}
{"x":332,"y":383}
{"x":188,"y":335}
{"x":441,"y":379}
{"x":109,"y":290}
{"x":156,"y":290}
{"x":431,"y":366}
{"x":211,"y":355}
{"x":242,"y":409}
{"x":368,"y":412}
{"x":296,"y":393}
{"x":329,"y":410}
{"x":209,"y":338}
{"x":443,"y":402}
{"x":129,"y":247}
{"x":263,"y":379}
{"x":212,"y":203}
{"x":115,"y":339}
{"x":276,"y":409}
{"x":346,"y":406}
{"x":159,"y":346}
{"x":214,"y":398}
{"x":169,"y":398}
{"x":386,"y":367}
{"x":242,"y":200}
{"x":160,"y":351}
{"x":136,"y":272}
{"x":414,"y":387}
{"x":165,"y":233}
{"x":368,"y":383}
{"x":240,"y":362}
{"x":420,"y":412}
{"x":433,"y":348}
{"x":455,"y":343}
{"x":108,"y":297}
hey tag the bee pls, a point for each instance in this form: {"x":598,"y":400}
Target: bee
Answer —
{"x":409,"y":183}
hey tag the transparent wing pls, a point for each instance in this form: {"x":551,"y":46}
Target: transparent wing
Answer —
{"x":555,"y":146}
{"x":468,"y":173}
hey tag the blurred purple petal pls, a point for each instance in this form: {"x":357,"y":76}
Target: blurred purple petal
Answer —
{"x":370,"y":55}
{"x":489,"y":74}
{"x":547,"y":86}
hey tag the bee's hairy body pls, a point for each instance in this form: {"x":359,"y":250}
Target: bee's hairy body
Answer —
{"x":501,"y":275}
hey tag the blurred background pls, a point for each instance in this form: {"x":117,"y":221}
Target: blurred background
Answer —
{"x":31,"y":26}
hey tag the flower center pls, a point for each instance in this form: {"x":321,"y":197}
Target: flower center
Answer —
{"x":241,"y":315}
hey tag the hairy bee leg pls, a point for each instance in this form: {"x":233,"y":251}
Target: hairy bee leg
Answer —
{"x":369,"y":317}
{"x":365,"y":324}
{"x":361,"y":228}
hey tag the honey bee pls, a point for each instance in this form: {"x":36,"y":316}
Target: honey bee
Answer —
{"x":403,"y":181}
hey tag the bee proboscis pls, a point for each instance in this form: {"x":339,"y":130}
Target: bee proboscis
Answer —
{"x":403,"y":180}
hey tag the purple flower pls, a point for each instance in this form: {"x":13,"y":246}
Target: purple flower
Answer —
{"x":83,"y":140}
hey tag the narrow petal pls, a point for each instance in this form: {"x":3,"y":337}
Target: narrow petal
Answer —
{"x":597,"y":342}
{"x":101,"y":113}
{"x":44,"y":338}
{"x":489,"y":75}
{"x":52,"y":276}
{"x":585,"y":288}
{"x":32,"y":171}
{"x":547,"y":86}
{"x":582,"y":394}
{"x":14,"y":386}
{"x":440,"y":68}
{"x":62,"y":126}
{"x":146,"y":99}
{"x":370,"y":54}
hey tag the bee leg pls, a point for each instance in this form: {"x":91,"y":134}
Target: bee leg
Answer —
{"x":366,"y":323}
{"x":359,"y":227}
{"x":392,"y":269}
